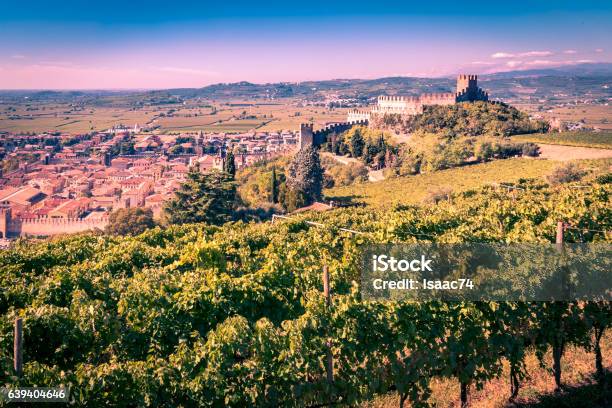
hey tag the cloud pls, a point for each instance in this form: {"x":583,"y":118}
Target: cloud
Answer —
{"x":599,"y":50}
{"x":570,"y":52}
{"x":18,"y":56}
{"x":482,"y":63}
{"x":502,"y":55}
{"x":535,"y":54}
{"x":514,"y":63}
{"x":527,"y":54}
{"x":585,"y":61}
{"x":187,"y":71}
{"x":542,"y":62}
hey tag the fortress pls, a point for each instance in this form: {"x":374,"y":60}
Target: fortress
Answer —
{"x":467,"y":91}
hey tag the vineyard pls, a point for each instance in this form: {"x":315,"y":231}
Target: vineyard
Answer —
{"x":197,"y":316}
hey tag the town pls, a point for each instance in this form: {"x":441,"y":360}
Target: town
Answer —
{"x":53,"y":183}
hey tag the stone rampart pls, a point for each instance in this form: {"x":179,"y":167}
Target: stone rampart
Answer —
{"x":53,"y":226}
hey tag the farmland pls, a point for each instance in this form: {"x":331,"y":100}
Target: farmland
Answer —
{"x":596,"y":116}
{"x":69,"y":119}
{"x":227,"y":116}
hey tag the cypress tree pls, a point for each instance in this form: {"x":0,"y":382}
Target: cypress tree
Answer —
{"x":229,"y":165}
{"x":305,"y":178}
{"x":274,"y":187}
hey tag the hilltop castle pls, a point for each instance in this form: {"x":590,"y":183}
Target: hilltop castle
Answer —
{"x":467,"y":91}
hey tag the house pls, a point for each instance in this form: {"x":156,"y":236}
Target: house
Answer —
{"x":20,"y":199}
{"x":71,"y":208}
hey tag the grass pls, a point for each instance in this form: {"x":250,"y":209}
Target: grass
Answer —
{"x":413,"y":189}
{"x":582,"y":139}
{"x":536,"y":391}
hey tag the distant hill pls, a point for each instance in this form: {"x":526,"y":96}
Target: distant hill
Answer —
{"x":591,"y":81}
{"x":572,"y":81}
{"x":587,"y":69}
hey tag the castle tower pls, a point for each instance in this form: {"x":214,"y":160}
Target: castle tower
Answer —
{"x":5,"y":219}
{"x":306,"y":135}
{"x":468,"y":90}
{"x":466,"y":82}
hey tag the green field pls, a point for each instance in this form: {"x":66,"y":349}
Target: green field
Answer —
{"x":414,"y":189}
{"x":601,"y":140}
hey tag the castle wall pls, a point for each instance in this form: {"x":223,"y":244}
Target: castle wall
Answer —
{"x":437,"y":99}
{"x":53,"y":226}
{"x":321,"y":136}
{"x":356,"y":115}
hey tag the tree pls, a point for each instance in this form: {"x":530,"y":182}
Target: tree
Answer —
{"x":305,"y":176}
{"x":356,"y":143}
{"x":229,"y":165}
{"x":204,"y":197}
{"x":130,"y":221}
{"x":273,"y":187}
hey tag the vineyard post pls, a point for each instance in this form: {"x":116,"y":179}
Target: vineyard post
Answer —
{"x":558,"y":345}
{"x":326,"y":293}
{"x":559,"y":239}
{"x":18,"y":347}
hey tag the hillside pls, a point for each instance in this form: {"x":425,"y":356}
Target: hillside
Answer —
{"x":414,"y":189}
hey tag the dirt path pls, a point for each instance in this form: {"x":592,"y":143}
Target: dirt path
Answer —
{"x":341,"y":159}
{"x":565,"y":153}
{"x":373,"y":175}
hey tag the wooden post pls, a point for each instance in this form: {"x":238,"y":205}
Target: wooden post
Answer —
{"x":326,"y":285}
{"x":327,"y":294}
{"x":559,"y":239}
{"x":18,"y":347}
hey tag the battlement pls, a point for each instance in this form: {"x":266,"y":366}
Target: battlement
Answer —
{"x":357,"y":116}
{"x":15,"y":227}
{"x":60,"y":221}
{"x":467,"y":77}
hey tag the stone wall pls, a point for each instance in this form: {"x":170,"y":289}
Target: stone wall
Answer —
{"x":53,"y":226}
{"x":308,"y":137}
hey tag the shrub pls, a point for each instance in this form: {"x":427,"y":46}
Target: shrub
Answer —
{"x":604,"y":178}
{"x":530,"y":150}
{"x":566,"y":173}
{"x":130,"y":221}
{"x":437,"y":195}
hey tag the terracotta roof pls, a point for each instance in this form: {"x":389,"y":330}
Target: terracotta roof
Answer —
{"x":21,"y":196}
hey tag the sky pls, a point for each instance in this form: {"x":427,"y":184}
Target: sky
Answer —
{"x":84,"y":44}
